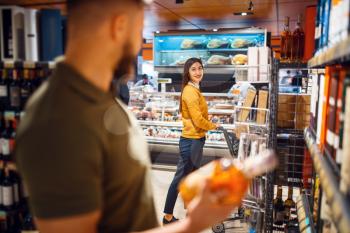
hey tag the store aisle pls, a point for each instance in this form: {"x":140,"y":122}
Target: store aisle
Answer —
{"x":160,"y":181}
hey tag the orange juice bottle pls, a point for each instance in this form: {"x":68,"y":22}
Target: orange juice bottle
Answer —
{"x":229,"y":175}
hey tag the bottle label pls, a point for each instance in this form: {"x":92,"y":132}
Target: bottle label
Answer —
{"x":24,"y":93}
{"x":3,"y":91}
{"x":280,"y":216}
{"x":7,"y":195}
{"x":15,"y":96}
{"x":16,"y":192}
{"x":5,"y":146}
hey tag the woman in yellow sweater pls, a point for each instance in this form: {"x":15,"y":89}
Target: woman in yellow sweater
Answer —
{"x":194,"y":110}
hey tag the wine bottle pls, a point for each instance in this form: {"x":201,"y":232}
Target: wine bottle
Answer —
{"x":8,"y":141}
{"x":278,"y":207}
{"x":28,"y":225}
{"x":26,"y":88}
{"x":15,"y":95}
{"x":15,"y":183}
{"x":286,"y":42}
{"x":5,"y":142}
{"x":7,"y":191}
{"x":289,"y":204}
{"x":3,"y":222}
{"x":3,"y":91}
{"x":229,"y":175}
{"x":298,"y":42}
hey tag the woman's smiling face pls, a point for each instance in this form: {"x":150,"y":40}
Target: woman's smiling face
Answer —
{"x":196,"y":72}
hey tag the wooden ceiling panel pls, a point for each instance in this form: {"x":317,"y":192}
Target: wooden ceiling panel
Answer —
{"x":164,"y":15}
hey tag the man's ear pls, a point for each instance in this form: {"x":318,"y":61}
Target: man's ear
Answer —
{"x":119,"y":27}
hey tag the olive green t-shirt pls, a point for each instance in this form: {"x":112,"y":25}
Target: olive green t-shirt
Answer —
{"x":79,"y":150}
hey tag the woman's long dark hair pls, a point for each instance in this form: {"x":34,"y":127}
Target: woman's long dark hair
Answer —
{"x":186,"y":74}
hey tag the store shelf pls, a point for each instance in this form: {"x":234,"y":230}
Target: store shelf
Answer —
{"x":305,"y":218}
{"x":206,"y":50}
{"x":337,"y":201}
{"x":292,"y":65}
{"x":335,"y":54}
{"x":175,"y":124}
{"x":175,"y":141}
{"x":179,"y":94}
{"x":221,"y":111}
{"x":209,"y":69}
{"x":27,"y":64}
{"x":254,"y":82}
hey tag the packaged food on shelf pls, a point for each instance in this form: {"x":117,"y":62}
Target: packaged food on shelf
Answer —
{"x":217,"y":43}
{"x":239,"y":59}
{"x":218,"y":60}
{"x":191,"y":44}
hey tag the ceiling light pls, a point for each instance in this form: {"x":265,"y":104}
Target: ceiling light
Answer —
{"x":243,"y":13}
{"x":215,"y":30}
{"x":157,"y":32}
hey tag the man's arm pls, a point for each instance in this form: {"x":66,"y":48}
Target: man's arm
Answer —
{"x":86,"y":223}
{"x":203,"y":212}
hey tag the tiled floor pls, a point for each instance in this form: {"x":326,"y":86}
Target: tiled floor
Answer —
{"x":161,"y":181}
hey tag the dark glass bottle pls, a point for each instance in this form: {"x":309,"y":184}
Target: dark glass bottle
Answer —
{"x":298,"y":42}
{"x":15,"y":92}
{"x":5,"y":141}
{"x":286,"y":42}
{"x":15,"y":183}
{"x":28,"y":225}
{"x":4,"y":97}
{"x":278,"y":208}
{"x":7,"y":191}
{"x":289,"y":204}
{"x":26,"y":88}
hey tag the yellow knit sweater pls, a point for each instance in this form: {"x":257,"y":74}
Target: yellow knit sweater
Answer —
{"x":194,"y":113}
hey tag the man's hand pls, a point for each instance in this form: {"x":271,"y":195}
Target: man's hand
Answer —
{"x":205,"y":211}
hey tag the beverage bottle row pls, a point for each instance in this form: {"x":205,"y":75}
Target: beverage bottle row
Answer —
{"x":7,"y":139}
{"x":16,"y":86}
{"x":292,"y":43}
{"x":283,"y":210}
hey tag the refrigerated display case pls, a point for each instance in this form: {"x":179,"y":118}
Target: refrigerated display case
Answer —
{"x":158,"y":116}
{"x":224,"y":49}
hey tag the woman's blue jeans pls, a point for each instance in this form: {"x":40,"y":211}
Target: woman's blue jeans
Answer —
{"x":191,"y":153}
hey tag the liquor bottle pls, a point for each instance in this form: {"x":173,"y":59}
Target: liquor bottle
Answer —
{"x":3,"y":90}
{"x":8,"y":141}
{"x":298,"y":42}
{"x":15,"y":92}
{"x":5,"y":141}
{"x":278,"y":207}
{"x":28,"y":225}
{"x":289,"y":204}
{"x":3,"y":222}
{"x":7,"y":190}
{"x":15,"y":183}
{"x":26,"y":88}
{"x":286,"y":42}
{"x":229,"y":175}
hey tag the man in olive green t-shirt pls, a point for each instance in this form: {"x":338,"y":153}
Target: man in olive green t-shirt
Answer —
{"x":81,"y":154}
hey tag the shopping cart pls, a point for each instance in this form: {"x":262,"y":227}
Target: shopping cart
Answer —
{"x":255,"y":212}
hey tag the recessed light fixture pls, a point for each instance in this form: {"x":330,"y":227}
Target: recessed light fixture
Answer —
{"x":243,"y":13}
{"x":215,"y":30}
{"x":157,"y":32}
